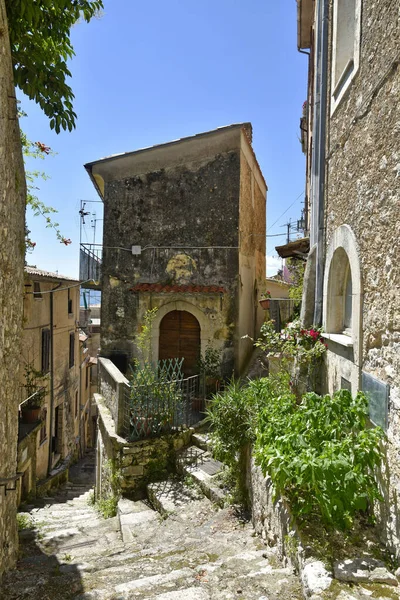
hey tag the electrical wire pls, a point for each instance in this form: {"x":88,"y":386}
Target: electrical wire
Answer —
{"x":284,"y":212}
{"x":64,"y":288}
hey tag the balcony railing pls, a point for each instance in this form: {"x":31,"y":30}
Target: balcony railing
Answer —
{"x":29,"y":395}
{"x":90,"y":265}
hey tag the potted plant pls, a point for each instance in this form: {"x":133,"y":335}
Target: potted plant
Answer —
{"x":265,"y":298}
{"x":35,"y":393}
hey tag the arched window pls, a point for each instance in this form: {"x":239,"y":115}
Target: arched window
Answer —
{"x":340,"y":295}
{"x":343,"y":291}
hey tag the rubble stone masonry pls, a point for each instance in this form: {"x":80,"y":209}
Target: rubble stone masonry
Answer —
{"x":12,"y":250}
{"x":363,"y":191}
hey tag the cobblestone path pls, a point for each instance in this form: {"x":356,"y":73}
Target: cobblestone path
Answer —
{"x":197,"y":552}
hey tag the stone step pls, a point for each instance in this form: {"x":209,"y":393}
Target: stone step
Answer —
{"x":155,"y":581}
{"x":170,"y":496}
{"x":191,"y":593}
{"x":249,"y":572}
{"x":133,"y":515}
{"x":198,"y":553}
{"x":202,"y":441}
{"x":200,"y":465}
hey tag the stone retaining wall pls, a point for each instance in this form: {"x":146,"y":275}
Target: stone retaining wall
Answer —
{"x":134,"y":464}
{"x":271,"y":517}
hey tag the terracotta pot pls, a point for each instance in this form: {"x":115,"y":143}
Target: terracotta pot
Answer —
{"x":264,"y":303}
{"x":31,"y":415}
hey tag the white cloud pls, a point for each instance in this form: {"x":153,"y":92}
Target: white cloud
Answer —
{"x":274,"y":263}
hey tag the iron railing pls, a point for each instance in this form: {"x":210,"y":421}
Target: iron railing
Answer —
{"x":163,"y":407}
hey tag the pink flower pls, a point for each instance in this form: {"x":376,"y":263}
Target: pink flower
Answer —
{"x":43,"y":148}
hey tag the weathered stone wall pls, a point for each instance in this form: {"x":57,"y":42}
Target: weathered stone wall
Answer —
{"x":271,"y":517}
{"x":363,"y":191}
{"x":192,"y":206}
{"x":252,"y":226}
{"x":65,"y":378}
{"x":12,"y":251}
{"x":136,"y":463}
{"x":27,"y":464}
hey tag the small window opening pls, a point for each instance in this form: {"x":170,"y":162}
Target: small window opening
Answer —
{"x":45,"y":350}
{"x":70,"y":307}
{"x":37,"y":292}
{"x":71,"y":349}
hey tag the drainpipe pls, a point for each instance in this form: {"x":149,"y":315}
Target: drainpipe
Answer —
{"x":318,"y":175}
{"x":51,"y":374}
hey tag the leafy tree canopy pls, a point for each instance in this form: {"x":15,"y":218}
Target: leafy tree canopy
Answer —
{"x":41,"y":46}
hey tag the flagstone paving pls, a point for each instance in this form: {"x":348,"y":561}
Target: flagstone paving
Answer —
{"x":191,"y":550}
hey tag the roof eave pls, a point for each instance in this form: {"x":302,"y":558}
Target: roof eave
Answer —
{"x":304,"y":23}
{"x":296,"y":249}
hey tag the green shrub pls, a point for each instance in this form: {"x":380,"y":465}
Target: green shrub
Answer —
{"x":321,"y":454}
{"x":233,"y":416}
{"x":107,"y":506}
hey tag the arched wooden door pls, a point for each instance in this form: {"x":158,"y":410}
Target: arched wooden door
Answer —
{"x":180,"y":338}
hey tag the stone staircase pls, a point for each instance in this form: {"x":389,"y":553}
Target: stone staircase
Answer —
{"x":189,"y":548}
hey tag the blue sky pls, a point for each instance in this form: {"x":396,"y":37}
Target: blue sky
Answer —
{"x":154,"y":71}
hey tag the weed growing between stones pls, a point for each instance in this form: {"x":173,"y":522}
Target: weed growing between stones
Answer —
{"x":107,"y":507}
{"x":24,"y":521}
{"x":108,"y":503}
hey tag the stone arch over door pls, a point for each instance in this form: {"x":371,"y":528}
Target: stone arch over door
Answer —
{"x":206,"y":325}
{"x":180,"y":338}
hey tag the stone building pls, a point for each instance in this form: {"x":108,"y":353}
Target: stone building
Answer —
{"x":184,"y":231}
{"x":55,"y":378}
{"x":353,"y":187}
{"x":12,"y":252}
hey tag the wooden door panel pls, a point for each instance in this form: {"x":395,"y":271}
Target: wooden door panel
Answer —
{"x":180,"y":338}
